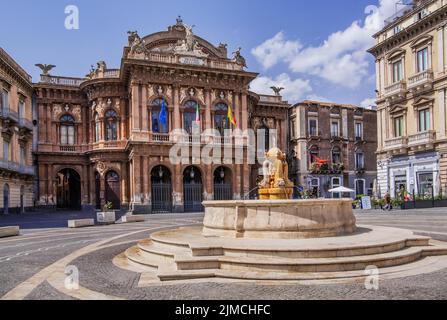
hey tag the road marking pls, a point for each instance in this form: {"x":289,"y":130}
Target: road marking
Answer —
{"x":21,"y":291}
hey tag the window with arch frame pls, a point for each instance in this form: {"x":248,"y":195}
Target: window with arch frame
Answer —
{"x":111,"y":125}
{"x":221,"y":121}
{"x":157,"y":126}
{"x":67,"y":130}
{"x":189,"y":115}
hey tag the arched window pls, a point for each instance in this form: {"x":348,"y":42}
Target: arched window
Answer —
{"x":157,"y":120}
{"x":97,"y":128}
{"x":190,"y":115}
{"x":336,"y":155}
{"x":266,"y":131}
{"x":111,"y":125}
{"x":221,"y":121}
{"x":67,"y":132}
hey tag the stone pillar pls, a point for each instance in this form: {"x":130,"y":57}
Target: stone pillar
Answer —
{"x":85,"y":122}
{"x":442,"y":113}
{"x":244,"y":111}
{"x":208,"y":109}
{"x":144,"y":108}
{"x":85,"y":186}
{"x":145,"y":188}
{"x":135,"y":121}
{"x":177,"y":116}
{"x":441,"y":48}
{"x":102,"y":190}
{"x":209,"y":182}
{"x":48,"y":124}
{"x":177,"y":185}
{"x":124,"y":184}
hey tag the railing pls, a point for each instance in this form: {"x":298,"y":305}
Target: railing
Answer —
{"x":112,"y":73}
{"x":266,"y":98}
{"x":395,"y":143}
{"x":61,"y":81}
{"x":422,"y":138}
{"x":222,"y":140}
{"x":160,"y":137}
{"x":15,"y":167}
{"x":395,"y":88}
{"x":420,"y":78}
{"x":67,"y":148}
{"x":7,"y":113}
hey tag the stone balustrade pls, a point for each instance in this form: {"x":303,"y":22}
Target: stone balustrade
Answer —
{"x":396,"y":143}
{"x":397,"y":88}
{"x":61,"y":81}
{"x":420,"y":79}
{"x":422,"y":138}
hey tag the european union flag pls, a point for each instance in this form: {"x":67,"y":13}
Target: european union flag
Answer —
{"x":163,"y":114}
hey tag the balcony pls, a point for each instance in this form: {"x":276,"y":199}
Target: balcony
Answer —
{"x":67,"y":148}
{"x":422,"y":141}
{"x":396,"y":91}
{"x":24,"y":123}
{"x":17,"y":168}
{"x":335,"y":136}
{"x":421,"y":81}
{"x":109,"y":145}
{"x":397,"y":145}
{"x":161,"y":137}
{"x":61,"y":81}
{"x":8,"y":114}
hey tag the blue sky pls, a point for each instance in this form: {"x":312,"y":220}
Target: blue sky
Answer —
{"x":280,"y":39}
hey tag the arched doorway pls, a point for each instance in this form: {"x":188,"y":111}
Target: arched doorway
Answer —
{"x":161,"y":192}
{"x":223,"y":184}
{"x":68,"y":190}
{"x":6,"y":199}
{"x":98,"y":190}
{"x":192,"y":189}
{"x":113,"y":189}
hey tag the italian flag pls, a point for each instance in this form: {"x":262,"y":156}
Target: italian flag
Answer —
{"x":231,"y":117}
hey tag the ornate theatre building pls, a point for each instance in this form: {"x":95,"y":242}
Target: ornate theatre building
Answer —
{"x":100,"y":138}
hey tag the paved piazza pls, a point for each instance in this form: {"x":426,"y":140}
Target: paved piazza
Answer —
{"x":29,"y":264}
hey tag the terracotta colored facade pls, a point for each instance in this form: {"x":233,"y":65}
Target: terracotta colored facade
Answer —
{"x":101,"y":138}
{"x":342,"y":135}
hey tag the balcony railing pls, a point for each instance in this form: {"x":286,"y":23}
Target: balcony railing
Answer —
{"x":397,"y":88}
{"x":396,"y":143}
{"x":61,"y":81}
{"x":67,"y":148}
{"x":25,"y":123}
{"x":422,"y":138}
{"x":160,"y":137}
{"x":420,"y":79}
{"x":15,"y":167}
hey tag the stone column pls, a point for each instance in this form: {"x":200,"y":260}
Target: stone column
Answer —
{"x":124,"y":184}
{"x":85,"y":124}
{"x":244,"y":111}
{"x":48,"y":124}
{"x":441,"y":54}
{"x":209,"y":182}
{"x":442,"y":113}
{"x":85,"y":186}
{"x":177,"y":117}
{"x":208,"y":109}
{"x":177,"y":185}
{"x":135,"y":121}
{"x":146,"y":180}
{"x":144,"y":108}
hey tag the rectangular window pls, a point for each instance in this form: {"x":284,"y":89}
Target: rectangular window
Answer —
{"x":424,"y":120}
{"x":313,"y":127}
{"x":359,"y":161}
{"x":335,"y":132}
{"x":398,"y":74}
{"x":22,"y":156}
{"x":21,"y":109}
{"x":5,"y":150}
{"x":359,"y":131}
{"x":425,"y":184}
{"x":293,"y":129}
{"x":71,"y":135}
{"x":64,"y":131}
{"x":5,"y":100}
{"x":336,"y":182}
{"x":422,"y":60}
{"x":399,"y":126}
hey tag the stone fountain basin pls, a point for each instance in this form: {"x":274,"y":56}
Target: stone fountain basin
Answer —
{"x":279,"y":219}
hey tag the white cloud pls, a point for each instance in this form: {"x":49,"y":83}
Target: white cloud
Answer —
{"x":276,"y":49}
{"x":315,"y":97}
{"x":369,"y":102}
{"x":341,"y":59}
{"x":294,"y":90}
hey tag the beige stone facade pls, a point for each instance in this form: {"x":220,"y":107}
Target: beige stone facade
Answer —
{"x":101,"y":138}
{"x":16,"y":141}
{"x":411,"y":68}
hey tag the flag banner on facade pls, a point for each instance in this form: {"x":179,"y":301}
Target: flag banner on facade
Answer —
{"x":163,"y":114}
{"x":197,"y":113}
{"x":231,"y":117}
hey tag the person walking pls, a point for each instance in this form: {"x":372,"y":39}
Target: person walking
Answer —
{"x":388,"y":202}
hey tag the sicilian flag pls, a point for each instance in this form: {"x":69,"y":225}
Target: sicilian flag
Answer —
{"x":231,"y":117}
{"x":163,"y":114}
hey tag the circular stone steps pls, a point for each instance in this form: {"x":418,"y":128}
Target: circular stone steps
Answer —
{"x":185,"y":253}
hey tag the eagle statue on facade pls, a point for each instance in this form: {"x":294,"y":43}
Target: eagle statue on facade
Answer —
{"x":277,"y":90}
{"x":46,"y":68}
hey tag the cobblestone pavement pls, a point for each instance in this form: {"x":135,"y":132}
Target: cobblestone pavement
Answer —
{"x":42,"y":245}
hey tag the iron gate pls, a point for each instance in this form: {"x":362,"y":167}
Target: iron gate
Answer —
{"x":223,"y":191}
{"x":193,"y":197}
{"x":161,"y":198}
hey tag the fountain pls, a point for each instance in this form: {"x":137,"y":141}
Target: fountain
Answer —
{"x":275,"y":238}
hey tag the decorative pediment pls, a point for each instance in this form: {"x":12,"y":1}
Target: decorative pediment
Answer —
{"x":397,"y":109}
{"x":395,"y":54}
{"x":423,"y":101}
{"x":422,"y":40}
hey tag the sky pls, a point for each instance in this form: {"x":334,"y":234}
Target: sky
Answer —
{"x":314,"y":49}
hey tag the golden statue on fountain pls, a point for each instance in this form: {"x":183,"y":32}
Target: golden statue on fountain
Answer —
{"x":275,"y":184}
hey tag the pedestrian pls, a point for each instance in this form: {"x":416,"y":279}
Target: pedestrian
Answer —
{"x":388,"y":202}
